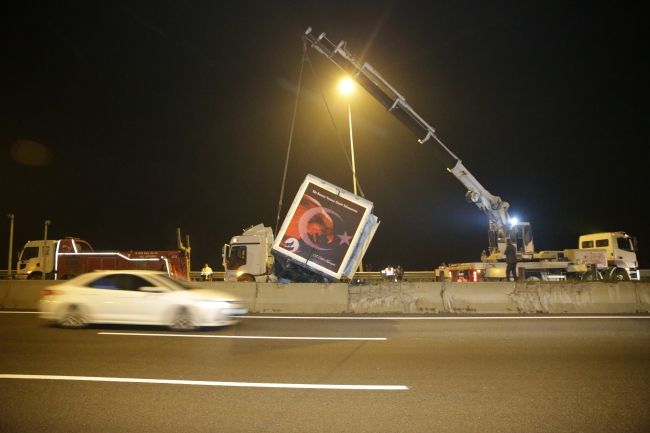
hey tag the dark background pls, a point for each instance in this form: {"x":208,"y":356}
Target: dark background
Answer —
{"x":153,"y":115}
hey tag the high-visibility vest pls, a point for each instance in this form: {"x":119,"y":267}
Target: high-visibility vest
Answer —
{"x":206,"y":271}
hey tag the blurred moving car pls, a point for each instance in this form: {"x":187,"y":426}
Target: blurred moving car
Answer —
{"x":137,"y":297}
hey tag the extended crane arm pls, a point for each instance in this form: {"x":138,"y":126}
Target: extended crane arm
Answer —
{"x":368,"y":78}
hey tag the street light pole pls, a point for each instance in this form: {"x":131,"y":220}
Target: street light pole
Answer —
{"x":11,"y":243}
{"x":346,"y":87}
{"x":354,"y":171}
{"x":45,"y":250}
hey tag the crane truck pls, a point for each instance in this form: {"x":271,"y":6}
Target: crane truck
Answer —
{"x":501,"y":226}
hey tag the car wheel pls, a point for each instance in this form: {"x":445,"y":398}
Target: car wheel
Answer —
{"x":73,"y":319}
{"x":183,"y":321}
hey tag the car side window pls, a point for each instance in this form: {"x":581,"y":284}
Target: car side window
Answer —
{"x":107,"y":282}
{"x":120,"y":282}
{"x":134,"y":282}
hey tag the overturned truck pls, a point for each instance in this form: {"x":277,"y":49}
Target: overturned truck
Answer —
{"x":322,"y":239}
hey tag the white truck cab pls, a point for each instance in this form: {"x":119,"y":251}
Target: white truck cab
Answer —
{"x":621,"y":253}
{"x":41,"y":257}
{"x":248,"y":257}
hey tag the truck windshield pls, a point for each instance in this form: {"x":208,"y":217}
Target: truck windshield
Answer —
{"x":237,"y":257}
{"x":625,"y":244}
{"x":29,"y":253}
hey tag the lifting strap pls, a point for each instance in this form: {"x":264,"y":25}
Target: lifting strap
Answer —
{"x":305,"y":59}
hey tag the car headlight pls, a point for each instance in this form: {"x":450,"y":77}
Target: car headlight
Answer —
{"x":214,"y":304}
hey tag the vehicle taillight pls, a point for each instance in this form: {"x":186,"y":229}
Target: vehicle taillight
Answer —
{"x":49,"y":292}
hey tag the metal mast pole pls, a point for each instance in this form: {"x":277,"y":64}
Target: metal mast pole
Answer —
{"x":45,"y":250}
{"x":11,"y":244}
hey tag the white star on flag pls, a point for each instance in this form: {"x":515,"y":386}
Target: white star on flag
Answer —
{"x":345,"y":239}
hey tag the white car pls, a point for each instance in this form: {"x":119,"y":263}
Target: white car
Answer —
{"x":137,"y":297}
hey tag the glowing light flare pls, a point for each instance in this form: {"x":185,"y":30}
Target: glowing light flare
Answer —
{"x":346,"y":86}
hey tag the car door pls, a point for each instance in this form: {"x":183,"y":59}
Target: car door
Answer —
{"x":100,"y":296}
{"x":140,"y":300}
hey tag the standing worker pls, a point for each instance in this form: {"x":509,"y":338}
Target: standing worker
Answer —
{"x":206,"y":273}
{"x":399,"y":273}
{"x":511,"y":260}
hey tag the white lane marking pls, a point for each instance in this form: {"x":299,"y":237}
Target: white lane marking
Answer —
{"x":243,"y":336}
{"x":206,"y":383}
{"x":446,"y":318}
{"x":19,"y":312}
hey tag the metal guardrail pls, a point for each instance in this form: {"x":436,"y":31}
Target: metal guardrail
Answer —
{"x":359,"y":276}
{"x":363,"y":276}
{"x":216,"y":276}
{"x":3,"y":274}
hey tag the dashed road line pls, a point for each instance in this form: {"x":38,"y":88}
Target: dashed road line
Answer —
{"x":262,"y":337}
{"x":19,"y":312}
{"x":207,"y":383}
{"x":445,"y":318}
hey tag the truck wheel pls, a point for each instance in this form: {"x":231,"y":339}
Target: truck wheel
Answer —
{"x":619,"y":275}
{"x":589,"y":276}
{"x":73,"y":319}
{"x":67,"y":277}
{"x":246,"y":279}
{"x":35,"y":276}
{"x":183,"y":321}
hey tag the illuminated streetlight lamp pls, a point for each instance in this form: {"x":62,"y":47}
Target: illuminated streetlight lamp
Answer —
{"x":346,"y":87}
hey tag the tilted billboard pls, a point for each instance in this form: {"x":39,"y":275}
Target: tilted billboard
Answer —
{"x":327,"y":229}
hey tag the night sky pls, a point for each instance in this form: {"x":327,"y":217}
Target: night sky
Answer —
{"x":121,"y":121}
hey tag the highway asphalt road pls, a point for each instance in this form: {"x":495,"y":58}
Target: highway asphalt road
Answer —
{"x":353,"y":374}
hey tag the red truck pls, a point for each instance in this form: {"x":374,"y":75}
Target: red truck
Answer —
{"x":63,"y":259}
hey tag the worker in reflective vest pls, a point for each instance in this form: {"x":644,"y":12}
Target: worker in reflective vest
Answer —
{"x":389,"y":272}
{"x":206,"y":273}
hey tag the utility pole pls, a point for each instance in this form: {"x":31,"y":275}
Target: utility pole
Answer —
{"x":11,"y":243}
{"x":187,"y":249}
{"x":45,"y":250}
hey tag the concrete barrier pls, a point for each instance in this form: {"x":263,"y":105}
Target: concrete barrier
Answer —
{"x":643,"y":296}
{"x":302,"y":298}
{"x":526,"y":297}
{"x":396,"y":298}
{"x":24,"y":294}
{"x":486,"y":298}
{"x":4,"y":291}
{"x":400,"y":298}
{"x":246,"y":292}
{"x":589,"y":298}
